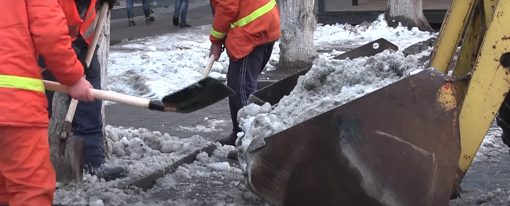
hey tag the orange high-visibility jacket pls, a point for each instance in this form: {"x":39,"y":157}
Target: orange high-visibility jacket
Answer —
{"x":244,"y":24}
{"x":77,"y":24}
{"x":28,"y":28}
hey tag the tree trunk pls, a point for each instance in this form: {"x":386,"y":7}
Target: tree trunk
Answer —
{"x":68,"y":156}
{"x":298,"y":24}
{"x":103,"y":54}
{"x":407,"y":12}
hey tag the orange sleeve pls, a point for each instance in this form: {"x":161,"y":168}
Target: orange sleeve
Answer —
{"x":50,"y":34}
{"x":225,"y":12}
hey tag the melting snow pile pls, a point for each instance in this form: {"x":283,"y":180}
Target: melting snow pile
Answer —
{"x":209,"y":180}
{"x":140,"y":152}
{"x":157,"y":66}
{"x":328,"y":84}
{"x":492,"y":146}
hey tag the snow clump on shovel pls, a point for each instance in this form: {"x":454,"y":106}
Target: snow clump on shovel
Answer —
{"x":329,"y":84}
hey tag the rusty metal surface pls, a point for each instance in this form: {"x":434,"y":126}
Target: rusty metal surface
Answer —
{"x":274,"y":92}
{"x":397,"y":146}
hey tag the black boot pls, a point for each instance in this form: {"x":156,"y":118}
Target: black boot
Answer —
{"x":131,"y":23}
{"x":184,"y":24}
{"x":233,"y":154}
{"x":149,"y":20}
{"x":107,"y":173}
{"x":175,"y":20}
{"x":230,"y":140}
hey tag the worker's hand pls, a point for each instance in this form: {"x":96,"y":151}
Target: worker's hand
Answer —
{"x":216,"y":51}
{"x":111,"y":3}
{"x":81,"y":90}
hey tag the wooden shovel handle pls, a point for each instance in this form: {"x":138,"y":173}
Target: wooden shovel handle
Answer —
{"x":103,"y":95}
{"x":208,"y":67}
{"x":88,"y":59}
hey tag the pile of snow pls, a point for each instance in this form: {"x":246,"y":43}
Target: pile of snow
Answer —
{"x":157,"y":66}
{"x":143,"y":152}
{"x":346,"y":34}
{"x":208,"y":181}
{"x":329,"y":84}
{"x":140,"y":152}
{"x":492,"y":146}
{"x":494,"y":197}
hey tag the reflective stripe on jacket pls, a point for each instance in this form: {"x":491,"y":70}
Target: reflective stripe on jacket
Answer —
{"x":28,"y":28}
{"x":248,"y":23}
{"x":77,"y":24}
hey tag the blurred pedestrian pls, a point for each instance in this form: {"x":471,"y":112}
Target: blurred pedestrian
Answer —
{"x":146,"y":11}
{"x":180,"y":13}
{"x":212,"y":8}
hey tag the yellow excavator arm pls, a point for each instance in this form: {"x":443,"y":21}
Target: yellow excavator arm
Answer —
{"x":484,"y":59}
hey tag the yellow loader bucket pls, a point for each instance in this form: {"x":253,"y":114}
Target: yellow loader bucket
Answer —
{"x":396,"y":146}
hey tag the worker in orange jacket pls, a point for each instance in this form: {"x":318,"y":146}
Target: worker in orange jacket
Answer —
{"x":248,"y":29}
{"x":29,"y":27}
{"x":88,"y":123}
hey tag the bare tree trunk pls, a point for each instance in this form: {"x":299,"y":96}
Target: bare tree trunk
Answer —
{"x":103,"y":54}
{"x":68,"y":157}
{"x":298,"y":25}
{"x":407,"y":12}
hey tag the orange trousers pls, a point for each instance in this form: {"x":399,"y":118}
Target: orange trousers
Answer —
{"x":27,"y":177}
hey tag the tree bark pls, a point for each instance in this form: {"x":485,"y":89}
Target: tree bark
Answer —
{"x":298,"y":24}
{"x":407,"y":12}
{"x":68,"y":156}
{"x":103,"y":55}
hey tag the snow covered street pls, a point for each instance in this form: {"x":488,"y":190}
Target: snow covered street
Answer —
{"x":156,"y":66}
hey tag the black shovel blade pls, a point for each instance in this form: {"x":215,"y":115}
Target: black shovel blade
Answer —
{"x":197,"y":96}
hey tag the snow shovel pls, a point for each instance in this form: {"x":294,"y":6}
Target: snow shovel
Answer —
{"x":70,"y":161}
{"x":201,"y":94}
{"x":211,"y":92}
{"x":274,"y":92}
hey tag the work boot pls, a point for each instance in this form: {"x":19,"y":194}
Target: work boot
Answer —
{"x":175,"y":20}
{"x":131,"y":23}
{"x":233,"y":154}
{"x":149,"y":20}
{"x":107,"y":173}
{"x":230,"y":140}
{"x":184,"y":24}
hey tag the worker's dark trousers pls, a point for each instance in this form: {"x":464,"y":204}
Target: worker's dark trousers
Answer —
{"x":242,"y":78}
{"x":87,"y":122}
{"x":503,"y":120}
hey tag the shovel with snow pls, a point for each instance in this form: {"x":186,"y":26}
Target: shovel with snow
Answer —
{"x":197,"y":96}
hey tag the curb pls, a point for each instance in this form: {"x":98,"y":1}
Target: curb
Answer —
{"x":148,"y":181}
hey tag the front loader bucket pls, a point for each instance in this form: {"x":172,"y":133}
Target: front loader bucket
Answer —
{"x":276,"y":91}
{"x":396,"y":146}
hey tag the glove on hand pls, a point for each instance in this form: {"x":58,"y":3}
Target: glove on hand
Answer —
{"x":111,"y":3}
{"x":216,"y":51}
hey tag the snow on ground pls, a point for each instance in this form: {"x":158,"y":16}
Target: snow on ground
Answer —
{"x":157,"y":66}
{"x":213,"y":126}
{"x":492,"y":146}
{"x":143,"y":152}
